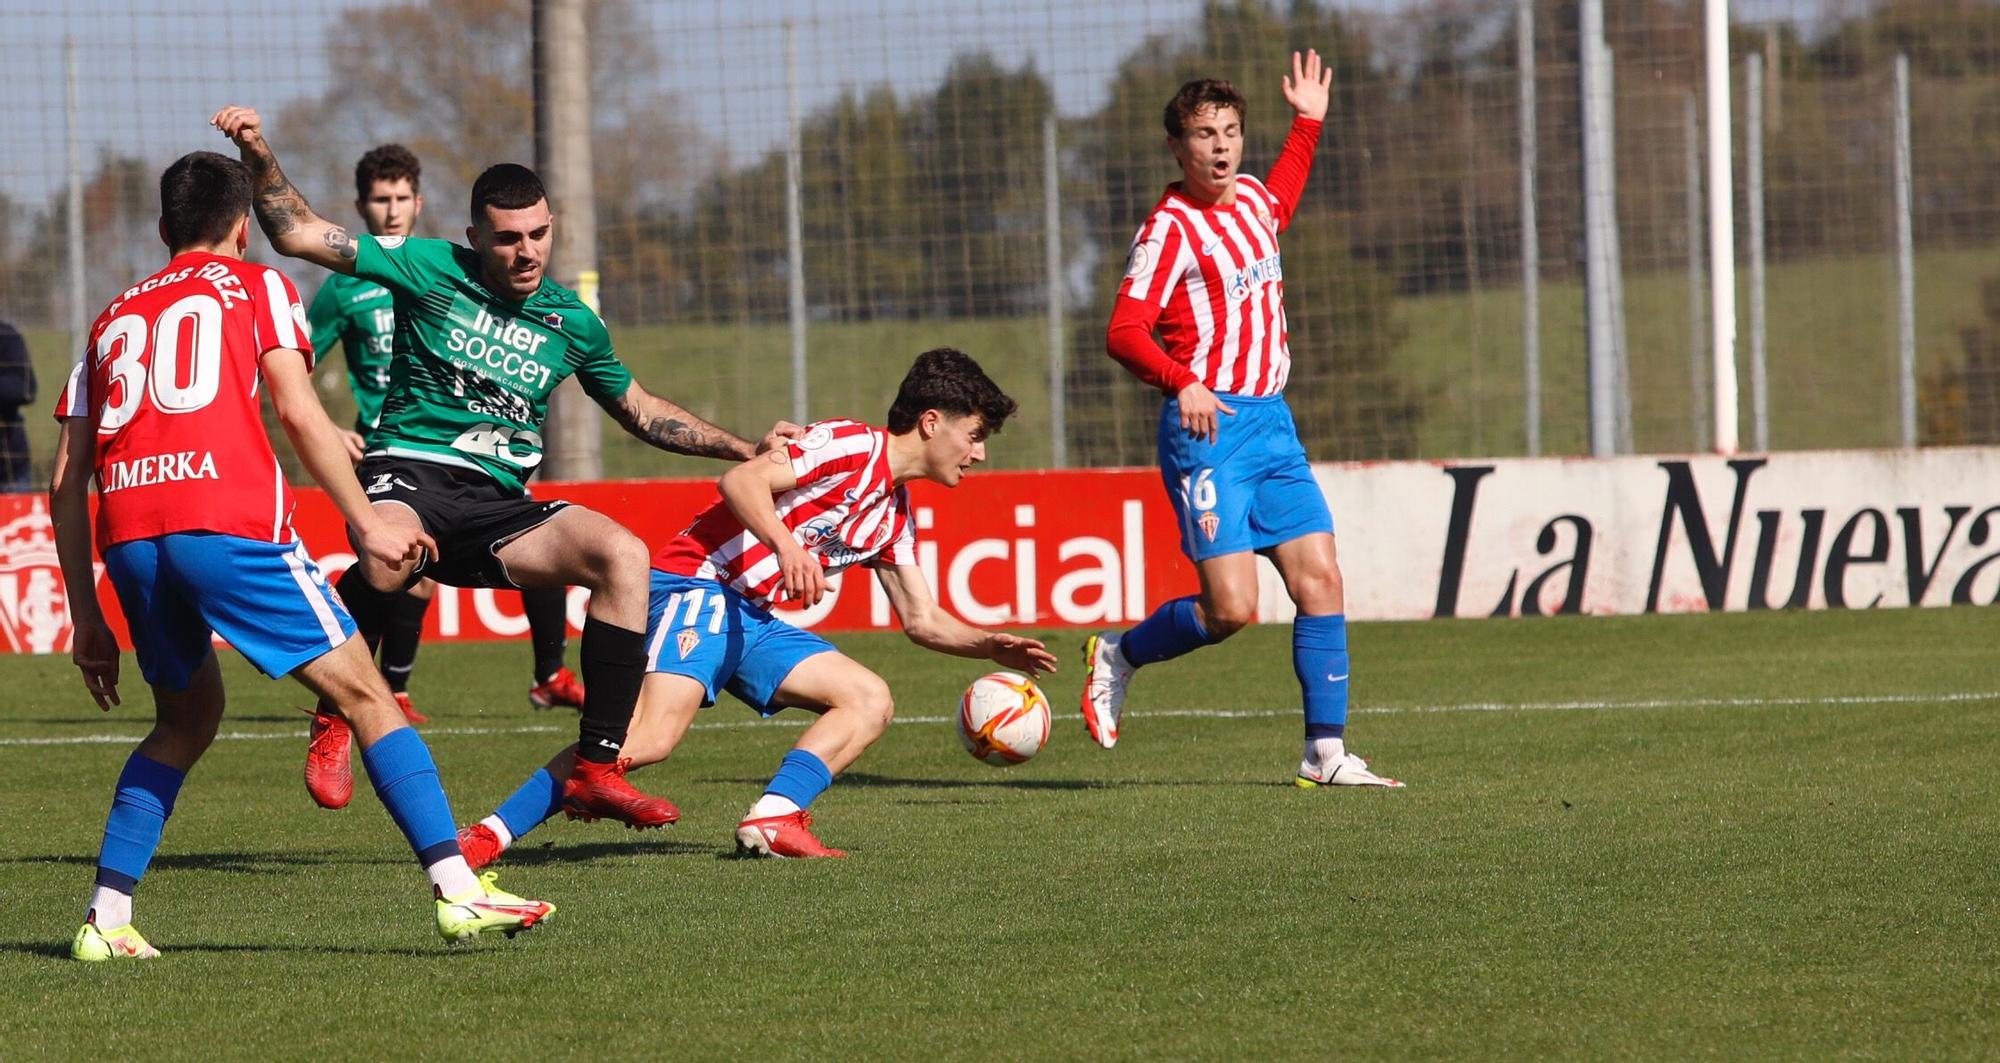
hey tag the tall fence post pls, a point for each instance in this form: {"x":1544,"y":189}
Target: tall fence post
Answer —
{"x":795,"y":240}
{"x":1531,"y":238}
{"x":573,"y":435}
{"x":1721,"y":225}
{"x":1599,"y":215}
{"x":1906,"y":266}
{"x":1698,"y":412}
{"x":1052,"y":224}
{"x":1753,"y":206}
{"x":79,"y":323}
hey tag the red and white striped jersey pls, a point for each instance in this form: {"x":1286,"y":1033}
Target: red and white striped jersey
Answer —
{"x":846,"y":510}
{"x":1215,"y":273}
{"x":171,"y":378}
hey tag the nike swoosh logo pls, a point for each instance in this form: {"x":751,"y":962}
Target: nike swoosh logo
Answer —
{"x":1209,"y":247}
{"x":1336,"y":678}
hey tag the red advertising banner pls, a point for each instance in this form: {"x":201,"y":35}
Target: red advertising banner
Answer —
{"x":1044,"y":549}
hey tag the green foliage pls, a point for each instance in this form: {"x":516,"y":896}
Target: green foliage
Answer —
{"x":1961,"y":403}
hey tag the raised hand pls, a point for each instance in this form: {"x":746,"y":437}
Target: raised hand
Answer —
{"x":1309,"y":86}
{"x":240,"y":124}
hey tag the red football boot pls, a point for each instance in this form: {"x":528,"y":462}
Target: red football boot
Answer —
{"x":563,"y":688}
{"x":410,"y":712}
{"x":329,"y":761}
{"x":599,"y":791}
{"x":479,"y":845}
{"x":789,"y":835}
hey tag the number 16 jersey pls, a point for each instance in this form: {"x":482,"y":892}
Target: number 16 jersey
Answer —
{"x":172,"y":378}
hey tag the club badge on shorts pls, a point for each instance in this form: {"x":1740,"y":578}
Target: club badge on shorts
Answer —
{"x":686,"y":641}
{"x":1209,"y":522}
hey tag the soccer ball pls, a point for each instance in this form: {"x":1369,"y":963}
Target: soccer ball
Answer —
{"x":1003,"y":718}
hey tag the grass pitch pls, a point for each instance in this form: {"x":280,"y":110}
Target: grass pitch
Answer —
{"x":1748,"y":836}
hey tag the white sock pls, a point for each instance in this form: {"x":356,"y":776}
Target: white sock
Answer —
{"x":772,"y":805}
{"x":113,"y":909}
{"x":499,"y":829}
{"x":1323,"y":751}
{"x":453,"y":877}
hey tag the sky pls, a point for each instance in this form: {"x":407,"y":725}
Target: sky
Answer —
{"x":151,"y":71}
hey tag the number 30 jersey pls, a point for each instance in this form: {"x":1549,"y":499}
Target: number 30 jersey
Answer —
{"x":472,"y":372}
{"x":171,"y":377}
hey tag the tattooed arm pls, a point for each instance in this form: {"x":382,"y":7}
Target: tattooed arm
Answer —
{"x":282,"y":211}
{"x":672,"y":428}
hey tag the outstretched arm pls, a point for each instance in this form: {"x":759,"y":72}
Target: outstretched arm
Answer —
{"x":928,"y":625}
{"x":282,"y":211}
{"x":670,"y":427}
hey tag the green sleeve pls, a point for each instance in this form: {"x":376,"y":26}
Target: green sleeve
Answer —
{"x":406,"y":265}
{"x":326,"y":319}
{"x":602,"y":375}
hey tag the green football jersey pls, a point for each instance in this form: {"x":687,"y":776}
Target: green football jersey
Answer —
{"x":470,"y":381}
{"x":361,"y":315}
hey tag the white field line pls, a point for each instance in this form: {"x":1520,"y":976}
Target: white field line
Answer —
{"x":1834,"y":701}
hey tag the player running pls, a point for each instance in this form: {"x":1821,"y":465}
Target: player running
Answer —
{"x":785,"y":522}
{"x":360,"y":315}
{"x":194,"y":525}
{"x":482,"y":339}
{"x":1205,"y":269}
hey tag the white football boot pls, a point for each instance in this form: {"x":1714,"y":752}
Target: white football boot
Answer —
{"x":1346,"y":769}
{"x":1103,"y":702}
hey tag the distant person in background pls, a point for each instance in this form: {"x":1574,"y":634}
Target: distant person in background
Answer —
{"x":17,"y":389}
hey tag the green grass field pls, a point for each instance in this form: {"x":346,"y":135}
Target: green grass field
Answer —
{"x":1762,"y":836}
{"x":1831,"y":344}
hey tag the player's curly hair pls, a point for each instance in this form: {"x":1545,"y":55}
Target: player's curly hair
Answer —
{"x":387,"y":162}
{"x":1193,"y":96}
{"x":202,"y":197}
{"x":949,"y":381}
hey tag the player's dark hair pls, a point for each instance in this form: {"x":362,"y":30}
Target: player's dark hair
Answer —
{"x":950,"y":381}
{"x":508,"y":186}
{"x":202,"y":197}
{"x":1193,"y":96}
{"x":387,"y":162}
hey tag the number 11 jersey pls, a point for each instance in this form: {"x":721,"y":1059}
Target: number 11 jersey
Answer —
{"x":172,"y":376}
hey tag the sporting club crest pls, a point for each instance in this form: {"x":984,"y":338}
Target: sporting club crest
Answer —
{"x":686,"y":641}
{"x":1210,"y":524}
{"x":34,"y":610}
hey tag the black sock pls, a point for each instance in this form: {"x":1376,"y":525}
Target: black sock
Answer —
{"x":402,"y":628}
{"x":614,"y":664}
{"x":368,"y":606}
{"x":548,"y":628}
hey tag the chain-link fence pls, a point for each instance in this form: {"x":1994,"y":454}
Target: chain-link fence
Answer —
{"x":963,"y":169}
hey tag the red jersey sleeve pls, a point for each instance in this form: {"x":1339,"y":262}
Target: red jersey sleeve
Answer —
{"x":1287,"y":180}
{"x":280,"y":318}
{"x":1130,"y":343}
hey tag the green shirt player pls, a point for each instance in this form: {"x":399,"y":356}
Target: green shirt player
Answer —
{"x":482,"y":339}
{"x":360,"y":315}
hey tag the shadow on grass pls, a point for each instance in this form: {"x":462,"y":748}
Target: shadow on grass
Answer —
{"x":867,"y":780}
{"x":439,"y":951}
{"x":557,"y":853}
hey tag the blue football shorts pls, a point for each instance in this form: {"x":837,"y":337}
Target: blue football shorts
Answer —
{"x":268,"y":599}
{"x":710,"y":633}
{"x":1251,"y":489}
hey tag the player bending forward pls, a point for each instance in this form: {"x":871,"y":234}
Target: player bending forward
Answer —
{"x":482,"y":339}
{"x":194,"y":524}
{"x":360,"y":315}
{"x":785,"y":522}
{"x":1205,"y":269}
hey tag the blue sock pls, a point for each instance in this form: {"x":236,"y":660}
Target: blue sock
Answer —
{"x":139,"y":810}
{"x":406,"y":780}
{"x":531,"y":805}
{"x":801,"y":778}
{"x":1173,"y":629}
{"x":1319,"y":657}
